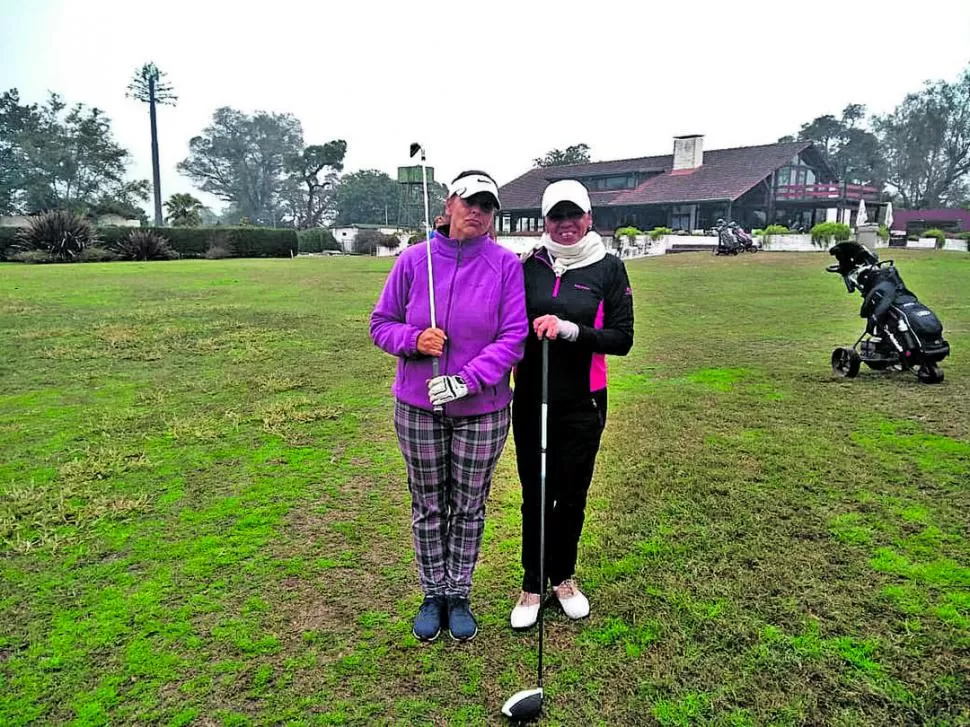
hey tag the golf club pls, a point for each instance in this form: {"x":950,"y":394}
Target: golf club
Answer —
{"x":527,"y":704}
{"x":415,"y":148}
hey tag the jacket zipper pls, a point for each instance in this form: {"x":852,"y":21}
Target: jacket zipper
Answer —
{"x":451,"y":298}
{"x":555,"y":288}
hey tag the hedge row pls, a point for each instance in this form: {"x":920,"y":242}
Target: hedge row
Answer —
{"x":196,"y":241}
{"x":316,"y":240}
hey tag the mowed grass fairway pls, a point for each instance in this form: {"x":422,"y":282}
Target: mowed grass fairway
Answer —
{"x":204,"y":517}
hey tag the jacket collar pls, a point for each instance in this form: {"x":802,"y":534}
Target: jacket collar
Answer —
{"x":446,"y":246}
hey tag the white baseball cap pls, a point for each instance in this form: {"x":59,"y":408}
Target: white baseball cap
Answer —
{"x":475,"y":183}
{"x":565,"y":190}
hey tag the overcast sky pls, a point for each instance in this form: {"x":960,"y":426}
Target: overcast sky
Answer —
{"x":488,"y":84}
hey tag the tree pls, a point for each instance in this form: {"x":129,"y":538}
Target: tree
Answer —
{"x":304,"y":193}
{"x":184,"y":210}
{"x":927,"y":142}
{"x":149,"y":87}
{"x":851,"y":150}
{"x":576,"y":154}
{"x":14,"y":121}
{"x":371,"y":197}
{"x":59,"y":158}
{"x":368,"y":197}
{"x":260,"y":166}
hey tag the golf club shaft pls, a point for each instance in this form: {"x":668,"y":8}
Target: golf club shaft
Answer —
{"x":435,"y":364}
{"x":544,"y":424}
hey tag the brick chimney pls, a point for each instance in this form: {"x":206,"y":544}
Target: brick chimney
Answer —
{"x":688,"y":152}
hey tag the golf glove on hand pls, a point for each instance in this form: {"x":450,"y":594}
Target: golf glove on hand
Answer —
{"x":445,"y":389}
{"x":552,"y":327}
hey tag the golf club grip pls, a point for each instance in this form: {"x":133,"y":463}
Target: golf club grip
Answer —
{"x":435,"y":370}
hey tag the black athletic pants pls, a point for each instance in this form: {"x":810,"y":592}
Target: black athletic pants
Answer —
{"x":573,"y":439}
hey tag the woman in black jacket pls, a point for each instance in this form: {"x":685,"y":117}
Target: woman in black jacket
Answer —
{"x":579,"y":297}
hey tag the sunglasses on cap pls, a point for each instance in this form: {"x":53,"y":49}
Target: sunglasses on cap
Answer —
{"x":484,"y":201}
{"x":565,"y":211}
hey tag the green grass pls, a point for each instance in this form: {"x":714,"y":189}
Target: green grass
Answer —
{"x":204,"y":518}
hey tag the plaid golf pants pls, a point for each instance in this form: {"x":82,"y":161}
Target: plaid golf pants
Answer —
{"x":450,"y":462}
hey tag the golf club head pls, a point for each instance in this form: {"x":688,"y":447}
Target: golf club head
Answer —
{"x":415,"y":148}
{"x":523,"y":706}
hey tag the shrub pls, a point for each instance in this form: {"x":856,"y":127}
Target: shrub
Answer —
{"x":770,"y":230}
{"x":883,"y":233}
{"x":9,"y":238}
{"x":30,"y":257}
{"x":217,"y":252}
{"x":316,"y":240}
{"x":145,"y":244}
{"x":111,"y":235}
{"x":628,"y":231}
{"x":391,"y":242}
{"x":938,"y":235}
{"x":415,"y":239}
{"x":657,"y":232}
{"x":824,"y":233}
{"x":367,"y":241}
{"x":94,"y":254}
{"x":59,"y":233}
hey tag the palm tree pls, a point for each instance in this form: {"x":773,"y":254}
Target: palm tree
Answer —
{"x":184,"y":210}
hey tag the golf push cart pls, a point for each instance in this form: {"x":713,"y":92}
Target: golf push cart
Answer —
{"x":901,"y":333}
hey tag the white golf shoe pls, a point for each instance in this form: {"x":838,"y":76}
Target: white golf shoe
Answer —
{"x":526,"y":611}
{"x":574,"y":603}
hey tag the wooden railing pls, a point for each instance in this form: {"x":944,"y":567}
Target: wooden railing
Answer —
{"x":831,"y":191}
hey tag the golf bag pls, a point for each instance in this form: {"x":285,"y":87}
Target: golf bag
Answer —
{"x":900,"y":332}
{"x":727,"y":243}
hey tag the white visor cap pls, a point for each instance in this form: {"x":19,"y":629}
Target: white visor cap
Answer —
{"x":566,"y":190}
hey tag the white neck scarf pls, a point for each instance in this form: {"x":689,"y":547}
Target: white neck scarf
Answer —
{"x":587,"y":251}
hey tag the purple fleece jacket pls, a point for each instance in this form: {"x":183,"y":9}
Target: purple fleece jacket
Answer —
{"x":480,"y":305}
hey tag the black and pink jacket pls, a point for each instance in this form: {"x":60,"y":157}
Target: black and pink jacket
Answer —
{"x":599,"y":300}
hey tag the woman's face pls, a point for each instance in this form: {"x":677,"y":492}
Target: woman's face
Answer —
{"x":567,"y":224}
{"x":470,"y":217}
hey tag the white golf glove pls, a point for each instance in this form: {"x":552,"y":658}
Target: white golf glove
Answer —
{"x":552,"y":327}
{"x":445,"y":389}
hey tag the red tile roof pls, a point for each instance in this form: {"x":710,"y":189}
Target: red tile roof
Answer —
{"x":725,"y":174}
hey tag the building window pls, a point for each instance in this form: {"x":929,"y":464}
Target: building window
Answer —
{"x":611,"y":183}
{"x":680,"y":216}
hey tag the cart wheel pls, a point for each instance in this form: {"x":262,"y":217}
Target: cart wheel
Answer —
{"x":930,"y":374}
{"x":845,"y":362}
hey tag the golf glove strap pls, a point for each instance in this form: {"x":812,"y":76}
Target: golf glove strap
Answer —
{"x":445,"y":389}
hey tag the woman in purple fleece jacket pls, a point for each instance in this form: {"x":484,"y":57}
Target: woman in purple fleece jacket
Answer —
{"x":451,"y":454}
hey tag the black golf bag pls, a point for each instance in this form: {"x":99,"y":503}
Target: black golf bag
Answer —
{"x":900,"y":332}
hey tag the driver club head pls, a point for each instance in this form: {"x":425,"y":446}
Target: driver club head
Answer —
{"x":523,"y":706}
